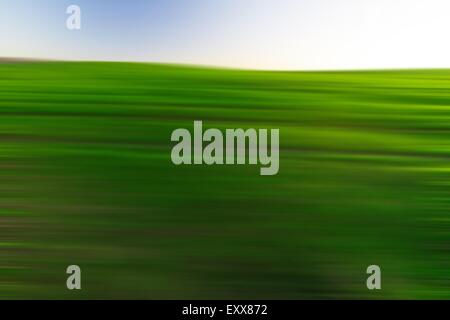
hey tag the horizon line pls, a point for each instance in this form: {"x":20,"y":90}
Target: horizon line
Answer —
{"x":12,"y":60}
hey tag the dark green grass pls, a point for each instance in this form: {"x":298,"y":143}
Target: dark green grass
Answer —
{"x":86,"y":178}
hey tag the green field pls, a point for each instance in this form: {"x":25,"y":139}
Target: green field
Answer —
{"x":86,"y":178}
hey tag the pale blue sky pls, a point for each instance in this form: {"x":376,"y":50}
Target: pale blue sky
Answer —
{"x":263,"y":34}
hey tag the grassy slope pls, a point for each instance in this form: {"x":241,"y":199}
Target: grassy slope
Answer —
{"x":86,"y":178}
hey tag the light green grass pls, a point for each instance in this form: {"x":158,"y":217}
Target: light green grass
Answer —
{"x":86,"y":178}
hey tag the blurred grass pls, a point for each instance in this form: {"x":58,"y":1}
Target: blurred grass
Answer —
{"x":86,"y":178}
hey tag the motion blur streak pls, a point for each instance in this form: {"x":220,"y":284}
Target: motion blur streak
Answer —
{"x":86,"y":179}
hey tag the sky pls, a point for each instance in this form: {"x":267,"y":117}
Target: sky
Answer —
{"x":252,"y":34}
